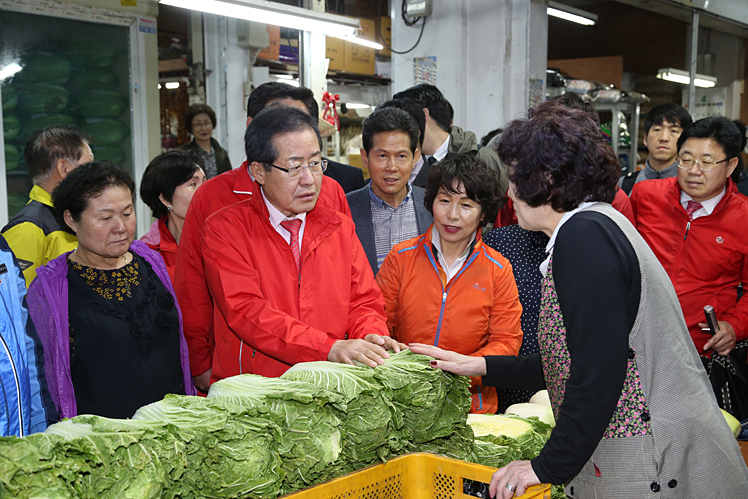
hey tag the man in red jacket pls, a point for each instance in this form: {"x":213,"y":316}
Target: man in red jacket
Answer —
{"x":695,"y":224}
{"x":289,"y":279}
{"x":217,"y":193}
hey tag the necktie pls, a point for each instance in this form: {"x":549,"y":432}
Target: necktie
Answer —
{"x":431,"y":160}
{"x":293,"y":226}
{"x":691,"y":207}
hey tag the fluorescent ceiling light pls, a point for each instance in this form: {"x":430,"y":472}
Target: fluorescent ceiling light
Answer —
{"x":278,"y":14}
{"x":356,"y":105}
{"x":172,"y":85}
{"x":9,"y":70}
{"x":578,"y":16}
{"x":680,"y":76}
{"x":362,"y":41}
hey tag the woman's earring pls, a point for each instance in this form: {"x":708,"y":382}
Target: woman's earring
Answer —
{"x":168,"y":208}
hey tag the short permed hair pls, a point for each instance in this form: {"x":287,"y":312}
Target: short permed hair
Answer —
{"x":50,"y":144}
{"x":431,"y":98}
{"x":559,"y":157}
{"x":196,"y":109}
{"x":467,"y":170}
{"x":718,"y":128}
{"x":84,"y":183}
{"x":270,"y":91}
{"x":164,"y":174}
{"x":270,"y":123}
{"x":389,"y":119}
{"x":670,"y":112}
{"x":413,"y":109}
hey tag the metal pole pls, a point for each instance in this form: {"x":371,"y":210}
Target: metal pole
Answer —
{"x":693,"y":56}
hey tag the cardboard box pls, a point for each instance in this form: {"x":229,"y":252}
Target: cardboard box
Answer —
{"x":336,"y":53}
{"x":272,"y":51}
{"x":360,"y":59}
{"x":384,"y":34}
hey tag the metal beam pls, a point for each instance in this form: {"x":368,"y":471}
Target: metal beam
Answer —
{"x":693,"y":55}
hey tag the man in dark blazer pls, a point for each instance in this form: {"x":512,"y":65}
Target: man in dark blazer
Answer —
{"x":388,"y":210}
{"x":349,"y":177}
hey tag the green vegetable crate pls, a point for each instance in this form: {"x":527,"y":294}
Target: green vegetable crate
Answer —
{"x":411,"y":476}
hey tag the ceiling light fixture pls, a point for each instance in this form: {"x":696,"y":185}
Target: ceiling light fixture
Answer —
{"x":680,"y":76}
{"x":288,"y":16}
{"x":567,"y":13}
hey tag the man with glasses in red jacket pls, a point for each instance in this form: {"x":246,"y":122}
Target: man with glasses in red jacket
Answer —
{"x":289,"y":279}
{"x":695,"y":224}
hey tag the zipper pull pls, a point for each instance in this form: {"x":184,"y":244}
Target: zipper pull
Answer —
{"x":688,"y":227}
{"x":444,"y":297}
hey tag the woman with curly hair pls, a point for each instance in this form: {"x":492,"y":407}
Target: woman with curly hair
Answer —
{"x":635,"y":416}
{"x":446,"y":287}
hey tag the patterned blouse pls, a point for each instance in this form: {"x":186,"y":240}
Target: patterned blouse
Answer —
{"x":525,"y":250}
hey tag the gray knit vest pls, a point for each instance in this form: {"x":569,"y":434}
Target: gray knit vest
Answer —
{"x":693,"y":450}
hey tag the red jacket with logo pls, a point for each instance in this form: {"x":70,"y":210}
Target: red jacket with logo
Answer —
{"x":477,"y":313}
{"x":268,"y":317}
{"x":706,"y":258}
{"x":190,"y":285}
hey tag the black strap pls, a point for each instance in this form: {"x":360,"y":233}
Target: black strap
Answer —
{"x":629,"y":181}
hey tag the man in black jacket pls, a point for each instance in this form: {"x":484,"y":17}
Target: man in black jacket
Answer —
{"x":442,"y":138}
{"x":268,"y":94}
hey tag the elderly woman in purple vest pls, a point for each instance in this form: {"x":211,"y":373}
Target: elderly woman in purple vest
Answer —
{"x":106,"y":312}
{"x":635,"y":415}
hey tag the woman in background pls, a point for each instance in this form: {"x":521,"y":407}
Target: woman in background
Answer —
{"x":200,"y":120}
{"x":106,"y":313}
{"x":167,"y":187}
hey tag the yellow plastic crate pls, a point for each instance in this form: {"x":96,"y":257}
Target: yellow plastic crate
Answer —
{"x":410,"y":476}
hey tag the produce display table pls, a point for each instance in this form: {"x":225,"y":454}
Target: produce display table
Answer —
{"x":410,"y":476}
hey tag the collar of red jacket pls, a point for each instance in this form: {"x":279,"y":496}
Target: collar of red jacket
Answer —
{"x":673,"y":194}
{"x":320,"y":221}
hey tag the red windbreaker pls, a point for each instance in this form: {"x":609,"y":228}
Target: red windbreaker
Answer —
{"x":160,"y":240}
{"x":266,"y":316}
{"x":190,"y":286}
{"x":706,"y":259}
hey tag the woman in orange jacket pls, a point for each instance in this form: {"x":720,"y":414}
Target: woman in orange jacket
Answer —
{"x":446,"y":287}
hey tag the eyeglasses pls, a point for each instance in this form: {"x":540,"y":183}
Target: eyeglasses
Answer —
{"x":316,"y":167}
{"x":705,"y":165}
{"x":202,"y":124}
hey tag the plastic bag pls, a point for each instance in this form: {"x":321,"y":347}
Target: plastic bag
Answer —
{"x":101,"y":103}
{"x":11,"y":127}
{"x":105,"y":131}
{"x":43,"y":67}
{"x":37,"y":98}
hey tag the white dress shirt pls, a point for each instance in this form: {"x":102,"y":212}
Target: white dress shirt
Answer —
{"x":707,"y":207}
{"x":276,"y":217}
{"x":450,"y":270}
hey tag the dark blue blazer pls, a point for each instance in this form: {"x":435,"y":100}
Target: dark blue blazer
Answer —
{"x":360,"y":203}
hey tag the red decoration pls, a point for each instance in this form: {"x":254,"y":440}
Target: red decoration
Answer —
{"x":330,"y":114}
